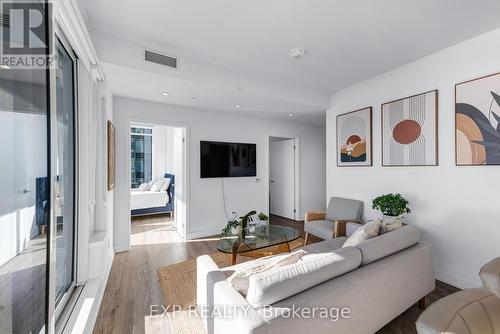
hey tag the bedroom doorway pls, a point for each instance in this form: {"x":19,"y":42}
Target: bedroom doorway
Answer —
{"x":157,"y":176}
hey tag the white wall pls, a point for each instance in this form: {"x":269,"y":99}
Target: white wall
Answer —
{"x":23,"y":158}
{"x":160,"y":147}
{"x":206,"y":213}
{"x":456,"y":207}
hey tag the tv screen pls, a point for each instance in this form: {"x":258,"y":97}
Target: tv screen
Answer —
{"x":220,"y":159}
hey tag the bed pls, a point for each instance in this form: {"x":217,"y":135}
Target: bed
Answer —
{"x":153,"y":202}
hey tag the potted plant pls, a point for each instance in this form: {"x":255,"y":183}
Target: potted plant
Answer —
{"x":263,"y":222}
{"x":263,"y":219}
{"x":391,"y":205}
{"x":233,"y":227}
{"x":245,"y":220}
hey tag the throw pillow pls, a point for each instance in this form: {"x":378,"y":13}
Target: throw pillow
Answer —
{"x":166,"y":184}
{"x":143,"y":187}
{"x":150,"y":183}
{"x":240,"y":278}
{"x":156,"y":186}
{"x":365,"y":232}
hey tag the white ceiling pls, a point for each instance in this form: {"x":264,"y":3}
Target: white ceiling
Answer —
{"x":346,"y":41}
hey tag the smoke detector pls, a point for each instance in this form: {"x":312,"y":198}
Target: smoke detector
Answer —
{"x":297,"y":53}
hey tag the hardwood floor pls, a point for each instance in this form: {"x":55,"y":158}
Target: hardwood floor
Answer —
{"x":133,"y":282}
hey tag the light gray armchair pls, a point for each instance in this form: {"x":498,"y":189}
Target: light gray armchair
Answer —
{"x":332,"y":223}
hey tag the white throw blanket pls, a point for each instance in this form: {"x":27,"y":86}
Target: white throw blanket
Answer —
{"x":240,"y":278}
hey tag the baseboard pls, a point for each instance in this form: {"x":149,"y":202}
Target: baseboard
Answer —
{"x":121,"y":248}
{"x":202,"y":234}
{"x":89,"y":327}
{"x":455,"y":280}
{"x":84,"y":314}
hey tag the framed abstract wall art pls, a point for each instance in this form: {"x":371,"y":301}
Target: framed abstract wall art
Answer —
{"x":409,"y":131}
{"x":477,"y":121}
{"x":354,"y":138}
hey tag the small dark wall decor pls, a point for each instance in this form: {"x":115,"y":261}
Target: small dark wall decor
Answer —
{"x":477,"y":121}
{"x":409,"y":131}
{"x":111,"y":156}
{"x":354,"y":138}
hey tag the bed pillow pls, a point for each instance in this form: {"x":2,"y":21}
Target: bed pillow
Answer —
{"x":157,"y":184}
{"x":166,"y":184}
{"x":150,"y":183}
{"x":143,"y":187}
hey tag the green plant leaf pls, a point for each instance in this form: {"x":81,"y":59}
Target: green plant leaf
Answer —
{"x":496,"y":97}
{"x":391,"y":204}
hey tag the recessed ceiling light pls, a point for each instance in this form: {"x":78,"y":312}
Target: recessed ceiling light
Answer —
{"x":290,"y":114}
{"x":237,"y":106}
{"x":165,"y":94}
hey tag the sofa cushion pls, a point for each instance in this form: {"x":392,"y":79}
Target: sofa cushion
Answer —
{"x":490,"y":276}
{"x":321,"y":228}
{"x":365,"y":232}
{"x":312,"y":269}
{"x":326,"y":245}
{"x":389,"y":243}
{"x":343,"y":208}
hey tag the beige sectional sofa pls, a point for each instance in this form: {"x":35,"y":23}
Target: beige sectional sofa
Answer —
{"x":331,"y":289}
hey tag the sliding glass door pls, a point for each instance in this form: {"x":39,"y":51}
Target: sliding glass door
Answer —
{"x":25,"y":199}
{"x":37,"y":190}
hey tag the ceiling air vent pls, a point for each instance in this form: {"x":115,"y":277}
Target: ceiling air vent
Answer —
{"x":161,"y":59}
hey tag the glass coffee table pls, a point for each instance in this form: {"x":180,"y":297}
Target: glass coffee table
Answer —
{"x":259,"y":243}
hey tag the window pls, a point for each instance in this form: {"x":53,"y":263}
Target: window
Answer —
{"x":141,"y":159}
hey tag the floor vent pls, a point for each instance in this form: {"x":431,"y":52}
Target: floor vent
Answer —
{"x":157,"y":58}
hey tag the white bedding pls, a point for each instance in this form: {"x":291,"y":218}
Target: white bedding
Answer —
{"x":147,"y":199}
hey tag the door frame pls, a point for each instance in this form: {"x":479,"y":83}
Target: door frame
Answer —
{"x":55,"y":312}
{"x":297,"y":178}
{"x":185,"y":169}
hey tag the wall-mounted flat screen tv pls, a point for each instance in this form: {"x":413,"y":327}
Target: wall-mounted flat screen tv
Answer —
{"x":219,"y":159}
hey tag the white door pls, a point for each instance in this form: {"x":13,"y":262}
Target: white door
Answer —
{"x":282,"y":178}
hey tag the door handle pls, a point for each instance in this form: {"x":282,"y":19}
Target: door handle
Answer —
{"x":272,"y":181}
{"x":25,"y":191}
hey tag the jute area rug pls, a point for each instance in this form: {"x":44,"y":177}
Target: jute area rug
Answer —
{"x":178,"y":285}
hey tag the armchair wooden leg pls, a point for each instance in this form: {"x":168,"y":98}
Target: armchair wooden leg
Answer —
{"x":422,"y":303}
{"x":306,"y":239}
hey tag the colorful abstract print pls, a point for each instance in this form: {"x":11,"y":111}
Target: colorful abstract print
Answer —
{"x":478,"y":121}
{"x":354,"y":138}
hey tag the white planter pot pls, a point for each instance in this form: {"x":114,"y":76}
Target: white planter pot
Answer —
{"x":400,"y":218}
{"x":262,"y":222}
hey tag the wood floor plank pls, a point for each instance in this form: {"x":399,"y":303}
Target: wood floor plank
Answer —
{"x":133,"y":284}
